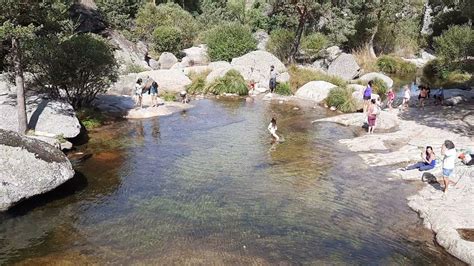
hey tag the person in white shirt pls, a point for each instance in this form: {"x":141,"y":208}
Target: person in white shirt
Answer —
{"x":406,"y":98}
{"x":138,"y":93}
{"x":449,"y":158}
{"x":272,"y":127}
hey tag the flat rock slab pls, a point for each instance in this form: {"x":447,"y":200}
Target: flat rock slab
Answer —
{"x":29,"y":167}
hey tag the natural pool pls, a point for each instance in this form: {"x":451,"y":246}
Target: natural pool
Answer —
{"x":207,"y":187}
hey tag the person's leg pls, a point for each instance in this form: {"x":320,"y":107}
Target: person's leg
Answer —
{"x":414,"y":166}
{"x":425,"y":167}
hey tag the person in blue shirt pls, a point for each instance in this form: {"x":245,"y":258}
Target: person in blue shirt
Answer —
{"x":428,"y":163}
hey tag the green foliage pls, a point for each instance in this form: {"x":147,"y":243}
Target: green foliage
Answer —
{"x":91,"y":118}
{"x":167,"y":39}
{"x":313,"y":43}
{"x":301,"y":76}
{"x":380,"y":87}
{"x":395,"y":65}
{"x":400,"y":37}
{"x":150,"y":17}
{"x":65,"y":69}
{"x":119,"y":15}
{"x":341,"y":98}
{"x":280,"y":43}
{"x":169,"y":96}
{"x":454,"y":46}
{"x":446,"y":20}
{"x":228,"y":41}
{"x":232,"y":82}
{"x":436,"y":74}
{"x":283,"y":89}
{"x":198,"y":84}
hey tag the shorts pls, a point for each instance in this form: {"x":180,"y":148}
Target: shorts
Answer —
{"x":272,"y":83}
{"x":447,"y":172}
{"x":153,"y":91}
{"x":367,"y":97}
{"x":371,"y":120}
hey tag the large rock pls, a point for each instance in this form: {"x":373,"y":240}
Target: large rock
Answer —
{"x":124,"y":85}
{"x":218,"y":64}
{"x":315,"y":90}
{"x":195,"y":56}
{"x":345,"y":66}
{"x":373,"y":75}
{"x":167,"y":60}
{"x":6,"y":86}
{"x":54,"y":118}
{"x":385,"y":120}
{"x":173,"y":80}
{"x":126,"y":52}
{"x":87,"y":17}
{"x":262,"y":38}
{"x":29,"y":167}
{"x":331,"y":53}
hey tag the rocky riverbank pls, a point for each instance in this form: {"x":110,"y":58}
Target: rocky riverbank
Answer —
{"x":406,"y":135}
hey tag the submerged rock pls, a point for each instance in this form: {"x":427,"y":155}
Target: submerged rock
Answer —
{"x":29,"y":167}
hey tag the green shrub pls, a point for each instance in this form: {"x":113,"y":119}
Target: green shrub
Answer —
{"x":301,"y":76}
{"x":380,"y":87}
{"x":167,"y":39}
{"x":169,"y":96}
{"x":395,"y":65}
{"x":198,"y":84}
{"x":133,"y":68}
{"x":280,"y":43}
{"x":283,"y":89}
{"x":91,"y":118}
{"x":313,"y":43}
{"x":454,"y":46}
{"x":232,"y":82}
{"x":228,"y":41}
{"x":341,"y":98}
{"x":170,"y":14}
{"x":119,"y":16}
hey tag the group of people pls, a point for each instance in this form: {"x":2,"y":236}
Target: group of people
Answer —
{"x":448,"y":153}
{"x":144,"y":87}
{"x":371,"y":107}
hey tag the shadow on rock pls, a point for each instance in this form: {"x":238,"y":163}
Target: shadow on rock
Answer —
{"x":431,"y":179}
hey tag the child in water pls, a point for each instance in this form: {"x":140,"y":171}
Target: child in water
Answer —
{"x":272,"y":127}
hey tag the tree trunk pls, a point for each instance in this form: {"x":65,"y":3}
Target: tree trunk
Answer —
{"x":370,"y":44}
{"x":296,"y":43}
{"x":20,"y":87}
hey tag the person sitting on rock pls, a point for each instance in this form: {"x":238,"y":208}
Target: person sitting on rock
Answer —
{"x":428,"y":161}
{"x":138,"y":93}
{"x":273,"y":79}
{"x":272,"y":127}
{"x":439,"y":97}
{"x":184,"y":97}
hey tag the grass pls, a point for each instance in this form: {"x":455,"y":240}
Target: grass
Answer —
{"x":198,"y":84}
{"x":231,"y":82}
{"x":395,"y":65}
{"x":301,"y":76}
{"x":169,"y":96}
{"x":341,"y":98}
{"x":283,"y":89}
{"x":133,"y":68}
{"x":365,"y":60}
{"x":380,"y":87}
{"x":91,"y":118}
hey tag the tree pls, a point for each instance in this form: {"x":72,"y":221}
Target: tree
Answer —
{"x":19,"y":21}
{"x":455,"y":46}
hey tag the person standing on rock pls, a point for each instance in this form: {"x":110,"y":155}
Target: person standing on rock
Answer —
{"x":406,"y":98}
{"x":367,"y":95}
{"x":448,"y":152}
{"x":154,"y":94}
{"x":372,"y":111}
{"x":390,"y":98}
{"x":422,"y":96}
{"x":272,"y":127}
{"x":138,"y":93}
{"x":273,"y":78}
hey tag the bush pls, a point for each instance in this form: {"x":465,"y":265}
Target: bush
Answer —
{"x":133,"y":68}
{"x":170,"y":14}
{"x":283,"y":89}
{"x":380,"y":87}
{"x":232,"y":82}
{"x":91,"y":118}
{"x":119,"y":15}
{"x":280,"y":43}
{"x":198,"y":84}
{"x":341,"y":98}
{"x":167,"y":39}
{"x":65,"y":69}
{"x":395,"y":65}
{"x":454,"y":46}
{"x":437,"y":74}
{"x":229,"y":41}
{"x":313,"y":43}
{"x":301,"y":76}
{"x":169,"y":96}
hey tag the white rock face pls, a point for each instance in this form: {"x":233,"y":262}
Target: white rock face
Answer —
{"x":195,"y":56}
{"x":370,"y":76}
{"x":124,"y":85}
{"x":167,"y":60}
{"x":52,"y":117}
{"x":218,"y":64}
{"x":331,"y":53}
{"x":315,"y":90}
{"x":29,"y":167}
{"x":195,"y":69}
{"x":262,"y":38}
{"x":344,"y":66}
{"x":172,"y":80}
{"x":126,"y":52}
{"x":6,"y":87}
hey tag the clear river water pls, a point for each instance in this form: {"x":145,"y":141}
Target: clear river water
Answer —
{"x":207,"y":186}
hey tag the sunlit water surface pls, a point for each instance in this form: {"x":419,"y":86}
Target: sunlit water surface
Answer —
{"x":208,"y":187}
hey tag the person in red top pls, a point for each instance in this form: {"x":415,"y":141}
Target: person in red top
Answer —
{"x":390,"y":98}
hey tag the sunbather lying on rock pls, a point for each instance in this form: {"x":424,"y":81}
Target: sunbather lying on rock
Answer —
{"x":428,"y":163}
